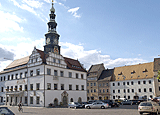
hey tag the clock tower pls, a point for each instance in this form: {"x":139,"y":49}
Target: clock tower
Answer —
{"x":52,"y":37}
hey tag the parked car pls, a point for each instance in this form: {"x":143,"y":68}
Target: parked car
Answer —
{"x":111,"y":103}
{"x":149,"y":107}
{"x":126,"y":102}
{"x":118,"y":101}
{"x":84,"y":103}
{"x":97,"y":105}
{"x":135,"y":102}
{"x":74,"y":105}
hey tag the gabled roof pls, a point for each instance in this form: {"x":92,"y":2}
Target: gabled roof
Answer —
{"x":106,"y":74}
{"x":18,"y":62}
{"x":95,"y":68}
{"x":74,"y":64}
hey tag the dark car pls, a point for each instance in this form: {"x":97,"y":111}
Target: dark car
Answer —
{"x":111,"y":103}
{"x":74,"y":105}
{"x":5,"y":111}
{"x":84,"y":103}
{"x":135,"y":102}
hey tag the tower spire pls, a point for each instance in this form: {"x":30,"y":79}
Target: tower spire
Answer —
{"x":52,"y":37}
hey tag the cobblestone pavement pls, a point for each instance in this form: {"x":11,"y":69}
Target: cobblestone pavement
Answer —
{"x":122,"y":110}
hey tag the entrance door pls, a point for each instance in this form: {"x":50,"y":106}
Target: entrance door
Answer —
{"x":56,"y":102}
{"x":65,"y":100}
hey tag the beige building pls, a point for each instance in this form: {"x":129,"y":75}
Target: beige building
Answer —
{"x":92,"y":81}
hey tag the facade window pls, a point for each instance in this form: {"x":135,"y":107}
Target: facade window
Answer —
{"x":100,"y":91}
{"x":25,"y":100}
{"x":20,"y":87}
{"x":132,"y":90}
{"x":16,"y":76}
{"x":77,"y":87}
{"x":48,"y":71}
{"x":87,"y":84}
{"x":94,"y":84}
{"x":70,"y":87}
{"x":127,"y":83}
{"x":55,"y":73}
{"x":149,"y":81}
{"x":1,"y":89}
{"x":113,"y":84}
{"x":54,"y":60}
{"x":4,"y":78}
{"x":82,"y":76}
{"x":107,"y":90}
{"x":118,"y":84}
{"x":31,"y":86}
{"x":55,"y":86}
{"x":59,"y":61}
{"x":82,"y":87}
{"x":94,"y":90}
{"x":113,"y":91}
{"x":31,"y":73}
{"x":62,"y":86}
{"x":48,"y":86}
{"x":70,"y":74}
{"x":15,"y":88}
{"x":1,"y":78}
{"x":38,"y":71}
{"x":21,"y":75}
{"x":91,"y":84}
{"x":106,"y":84}
{"x":113,"y":97}
{"x":91,"y":90}
{"x":150,"y":89}
{"x":8,"y":88}
{"x":144,"y":82}
{"x":144,"y":89}
{"x":36,"y":59}
{"x":132,"y":83}
{"x":139,"y":82}
{"x":37,"y":86}
{"x":12,"y":76}
{"x":124,"y":90}
{"x":77,"y":75}
{"x":87,"y":91}
{"x":31,"y":60}
{"x":31,"y":100}
{"x":139,"y":90}
{"x":128,"y":90}
{"x":8,"y":77}
{"x":118,"y":91}
{"x":25,"y":87}
{"x":37,"y":100}
{"x":123,"y":83}
{"x":61,"y":73}
{"x":99,"y":85}
{"x":128,"y":97}
{"x":26,"y":74}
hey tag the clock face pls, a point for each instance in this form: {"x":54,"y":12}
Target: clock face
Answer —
{"x":48,"y":41}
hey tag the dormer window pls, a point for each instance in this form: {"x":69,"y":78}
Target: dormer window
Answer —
{"x":133,"y":72}
{"x":145,"y":71}
{"x":120,"y":73}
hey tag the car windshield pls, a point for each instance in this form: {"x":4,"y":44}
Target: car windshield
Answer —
{"x":77,"y":103}
{"x":146,"y":104}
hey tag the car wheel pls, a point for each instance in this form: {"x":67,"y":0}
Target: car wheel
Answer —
{"x":141,"y":113}
{"x":88,"y":107}
{"x":102,"y":107}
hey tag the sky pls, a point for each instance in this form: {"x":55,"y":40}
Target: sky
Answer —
{"x":113,"y":32}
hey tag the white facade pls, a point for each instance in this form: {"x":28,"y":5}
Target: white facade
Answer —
{"x":137,"y":87}
{"x":50,"y":82}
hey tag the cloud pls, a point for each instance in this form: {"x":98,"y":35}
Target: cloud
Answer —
{"x":24,"y":7}
{"x":69,"y":50}
{"x":10,"y":24}
{"x":74,"y":12}
{"x":33,"y":3}
{"x":66,"y":7}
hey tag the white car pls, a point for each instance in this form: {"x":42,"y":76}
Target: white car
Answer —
{"x":97,"y":105}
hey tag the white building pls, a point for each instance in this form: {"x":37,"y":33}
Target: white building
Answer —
{"x":44,"y":77}
{"x":133,"y":82}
